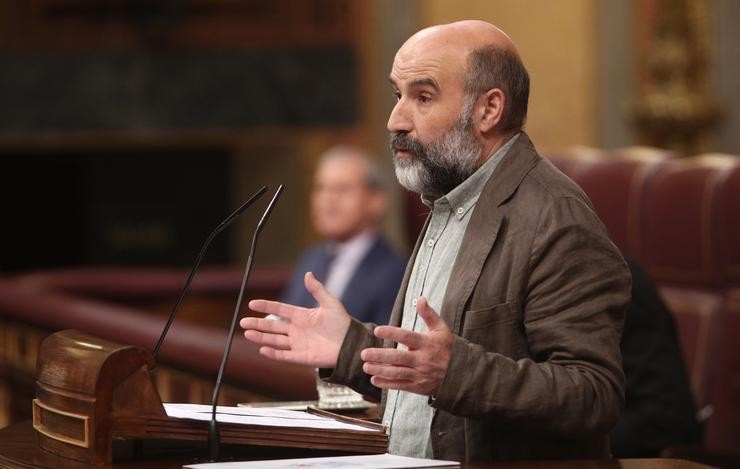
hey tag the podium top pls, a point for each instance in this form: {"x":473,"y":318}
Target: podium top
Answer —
{"x":74,"y":361}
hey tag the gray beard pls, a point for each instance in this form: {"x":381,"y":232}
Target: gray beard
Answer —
{"x":434,"y":169}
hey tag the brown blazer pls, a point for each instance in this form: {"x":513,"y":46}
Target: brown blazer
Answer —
{"x":536,"y":300}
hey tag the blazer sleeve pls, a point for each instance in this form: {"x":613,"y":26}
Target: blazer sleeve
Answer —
{"x":349,"y":364}
{"x":571,"y":313}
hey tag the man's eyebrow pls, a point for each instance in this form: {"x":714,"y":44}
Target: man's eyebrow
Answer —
{"x":419,"y":82}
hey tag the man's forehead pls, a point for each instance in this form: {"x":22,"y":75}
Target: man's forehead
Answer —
{"x":428,"y":68}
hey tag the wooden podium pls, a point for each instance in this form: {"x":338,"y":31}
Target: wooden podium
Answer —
{"x":91,"y":391}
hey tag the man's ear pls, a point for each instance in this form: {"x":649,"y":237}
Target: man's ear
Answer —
{"x":492,"y":103}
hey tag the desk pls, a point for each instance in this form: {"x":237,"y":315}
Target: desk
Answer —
{"x":18,"y":449}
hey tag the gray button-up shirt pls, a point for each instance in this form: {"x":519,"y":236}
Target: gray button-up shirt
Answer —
{"x":410,"y":415}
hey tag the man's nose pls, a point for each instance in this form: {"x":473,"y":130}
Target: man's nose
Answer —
{"x":400,"y":119}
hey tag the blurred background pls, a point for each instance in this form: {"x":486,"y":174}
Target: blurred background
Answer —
{"x":130,"y":128}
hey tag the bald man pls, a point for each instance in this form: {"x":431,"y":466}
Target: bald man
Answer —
{"x":504,"y":338}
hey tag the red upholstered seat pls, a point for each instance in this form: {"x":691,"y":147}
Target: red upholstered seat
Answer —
{"x":728,"y":222}
{"x":569,"y":160}
{"x":680,"y":224}
{"x":615,"y":182}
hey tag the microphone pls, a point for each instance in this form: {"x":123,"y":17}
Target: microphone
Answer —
{"x":214,"y":435}
{"x":228,"y":221}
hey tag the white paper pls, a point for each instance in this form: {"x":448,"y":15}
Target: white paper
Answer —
{"x":257,"y":416}
{"x":375,"y":461}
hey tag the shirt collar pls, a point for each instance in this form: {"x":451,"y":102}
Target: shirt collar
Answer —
{"x":358,"y":243}
{"x":463,"y":197}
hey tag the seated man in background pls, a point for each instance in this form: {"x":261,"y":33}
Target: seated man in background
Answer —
{"x":355,"y":263}
{"x":659,"y":411}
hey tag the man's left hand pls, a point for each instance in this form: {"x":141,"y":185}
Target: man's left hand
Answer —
{"x":420,"y":369}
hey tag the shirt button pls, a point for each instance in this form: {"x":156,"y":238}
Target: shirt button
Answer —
{"x":460,"y":211}
{"x":430,"y":243}
{"x":413,"y":302}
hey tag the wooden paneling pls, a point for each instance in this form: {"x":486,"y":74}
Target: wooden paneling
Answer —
{"x":83,"y":25}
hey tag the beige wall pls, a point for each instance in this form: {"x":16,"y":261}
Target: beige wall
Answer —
{"x":558,"y":43}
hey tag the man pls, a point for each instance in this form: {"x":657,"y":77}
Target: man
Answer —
{"x":355,"y":263}
{"x":523,"y":360}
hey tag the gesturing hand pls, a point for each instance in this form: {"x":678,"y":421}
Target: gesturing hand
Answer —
{"x":422,"y":367}
{"x":312,"y":336}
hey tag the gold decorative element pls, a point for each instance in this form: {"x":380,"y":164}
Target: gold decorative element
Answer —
{"x":676,"y":109}
{"x":70,"y":419}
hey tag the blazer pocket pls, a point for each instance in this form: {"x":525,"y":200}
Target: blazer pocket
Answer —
{"x":497,"y":329}
{"x":487,"y":317}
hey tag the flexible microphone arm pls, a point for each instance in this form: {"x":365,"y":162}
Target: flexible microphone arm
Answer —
{"x":214,"y":435}
{"x":230,"y":219}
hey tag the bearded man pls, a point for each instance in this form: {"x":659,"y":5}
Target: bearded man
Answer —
{"x":523,"y":360}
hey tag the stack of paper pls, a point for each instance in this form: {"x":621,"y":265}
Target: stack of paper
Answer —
{"x":312,"y":429}
{"x":377,"y":461}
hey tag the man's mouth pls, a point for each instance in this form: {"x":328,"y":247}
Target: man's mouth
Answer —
{"x":402,"y":152}
{"x":403,"y":146}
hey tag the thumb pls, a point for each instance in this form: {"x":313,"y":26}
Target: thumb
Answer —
{"x":317,"y":290}
{"x":430,"y":317}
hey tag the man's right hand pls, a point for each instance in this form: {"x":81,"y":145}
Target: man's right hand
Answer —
{"x":309,"y":336}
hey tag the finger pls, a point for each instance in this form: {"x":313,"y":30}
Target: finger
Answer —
{"x":396,"y":334}
{"x":389,"y":372}
{"x":384,"y":383}
{"x":279,"y":355}
{"x":430,"y":317}
{"x":388,"y":356}
{"x":318,"y":290}
{"x":283,"y":310}
{"x":273,"y":340}
{"x":264,"y":325}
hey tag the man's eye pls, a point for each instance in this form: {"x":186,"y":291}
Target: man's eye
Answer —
{"x":423,"y":98}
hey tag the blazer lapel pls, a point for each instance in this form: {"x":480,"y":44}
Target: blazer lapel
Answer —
{"x":474,"y":250}
{"x":484,"y":227}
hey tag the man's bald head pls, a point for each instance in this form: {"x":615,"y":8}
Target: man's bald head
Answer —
{"x":465,"y":36}
{"x":486,"y":55}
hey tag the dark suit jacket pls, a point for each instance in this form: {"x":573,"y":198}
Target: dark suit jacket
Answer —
{"x":536,"y":300}
{"x":659,"y":410}
{"x":370,"y":292}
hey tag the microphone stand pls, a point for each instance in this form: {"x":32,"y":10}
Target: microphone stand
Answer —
{"x":214,"y":434}
{"x":199,"y":259}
